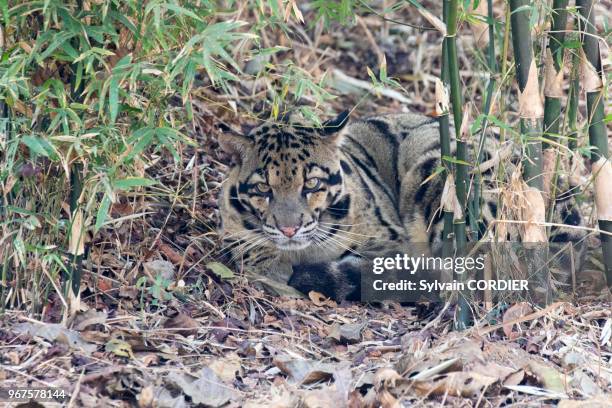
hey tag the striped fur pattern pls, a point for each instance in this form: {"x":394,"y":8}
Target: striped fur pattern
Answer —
{"x":312,"y":207}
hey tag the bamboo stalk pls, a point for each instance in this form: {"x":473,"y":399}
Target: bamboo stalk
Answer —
{"x":553,"y":86}
{"x":530,"y":103}
{"x":572,"y":104}
{"x":553,"y":92}
{"x":76,"y":237}
{"x":457,"y":102}
{"x":531,"y":112}
{"x":461,"y":170}
{"x":445,"y":145}
{"x":593,"y":80}
{"x":4,"y":138}
{"x":5,"y":276}
{"x":492,"y":65}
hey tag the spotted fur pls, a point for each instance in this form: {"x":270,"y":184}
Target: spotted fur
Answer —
{"x":313,"y":206}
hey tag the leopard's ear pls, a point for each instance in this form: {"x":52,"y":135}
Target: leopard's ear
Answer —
{"x":235,"y":144}
{"x":332,"y":128}
{"x":336,"y":124}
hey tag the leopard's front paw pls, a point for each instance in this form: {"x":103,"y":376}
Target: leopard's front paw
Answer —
{"x":337,"y":280}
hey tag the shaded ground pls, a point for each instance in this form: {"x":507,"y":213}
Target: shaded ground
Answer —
{"x":250,"y":350}
{"x":162,"y":326}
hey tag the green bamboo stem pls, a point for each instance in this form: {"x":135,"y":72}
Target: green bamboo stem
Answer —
{"x":5,"y":276}
{"x":553,"y":93}
{"x":598,"y":136}
{"x":530,"y":121}
{"x":552,"y":100}
{"x":456,"y":100}
{"x":492,"y":65}
{"x":461,"y":170}
{"x":445,"y":145}
{"x":75,"y":266}
{"x":530,"y":112}
{"x":572,"y":105}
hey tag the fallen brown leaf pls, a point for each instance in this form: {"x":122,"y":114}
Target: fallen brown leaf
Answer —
{"x":227,"y":367}
{"x":183,"y":323}
{"x":346,"y":333}
{"x":170,"y":253}
{"x":88,"y":318}
{"x":207,"y":389}
{"x":321,"y":300}
{"x":514,"y":313}
{"x":55,"y":332}
{"x":306,"y":371}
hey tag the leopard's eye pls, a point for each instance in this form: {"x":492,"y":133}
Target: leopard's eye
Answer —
{"x":262,"y":187}
{"x":312,"y":184}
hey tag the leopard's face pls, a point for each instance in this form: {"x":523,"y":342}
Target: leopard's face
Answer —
{"x":285,"y":178}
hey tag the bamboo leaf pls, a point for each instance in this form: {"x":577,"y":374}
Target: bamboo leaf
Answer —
{"x":181,"y":11}
{"x":39,"y":146}
{"x":102,"y":212}
{"x":438,"y":170}
{"x":113,"y":91}
{"x":130,"y":182}
{"x":455,"y":161}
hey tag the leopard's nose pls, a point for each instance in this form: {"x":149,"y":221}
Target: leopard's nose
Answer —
{"x":289,"y":231}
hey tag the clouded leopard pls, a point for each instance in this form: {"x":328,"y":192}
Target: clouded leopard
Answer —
{"x":312,"y":207}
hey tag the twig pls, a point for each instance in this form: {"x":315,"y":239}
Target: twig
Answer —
{"x":28,"y":376}
{"x":522,"y":319}
{"x":358,"y":83}
{"x":77,"y":388}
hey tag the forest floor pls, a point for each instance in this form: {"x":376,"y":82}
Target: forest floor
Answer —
{"x":162,"y":325}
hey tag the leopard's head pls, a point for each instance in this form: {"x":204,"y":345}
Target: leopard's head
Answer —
{"x":283,"y":178}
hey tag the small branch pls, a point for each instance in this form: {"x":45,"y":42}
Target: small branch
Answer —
{"x":365,"y":85}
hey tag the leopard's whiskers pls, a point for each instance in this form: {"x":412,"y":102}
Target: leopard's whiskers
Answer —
{"x":346,"y":232}
{"x":240,"y":243}
{"x":342,"y":237}
{"x":251,"y":245}
{"x":340,"y":244}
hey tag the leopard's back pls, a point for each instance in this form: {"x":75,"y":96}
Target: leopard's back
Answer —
{"x":406,"y":149}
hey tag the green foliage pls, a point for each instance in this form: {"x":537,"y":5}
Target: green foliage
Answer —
{"x":340,"y":11}
{"x":159,"y":290}
{"x":89,"y":90}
